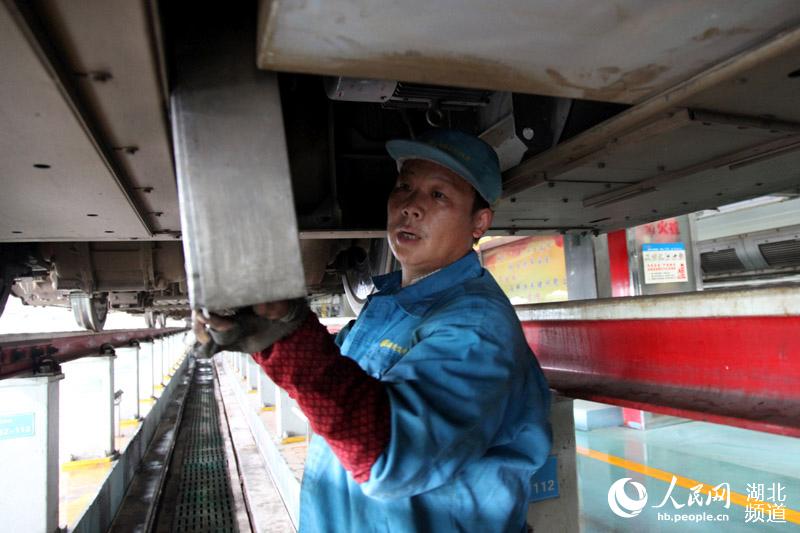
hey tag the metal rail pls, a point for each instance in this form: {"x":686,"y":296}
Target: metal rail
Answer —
{"x":731,"y":357}
{"x":37,"y":353}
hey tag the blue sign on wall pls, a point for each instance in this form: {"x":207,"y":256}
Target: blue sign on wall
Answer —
{"x":16,"y":426}
{"x":664,"y":247}
{"x":545,"y":481}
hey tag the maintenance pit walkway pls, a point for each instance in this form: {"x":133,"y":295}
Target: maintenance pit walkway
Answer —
{"x":198,"y":495}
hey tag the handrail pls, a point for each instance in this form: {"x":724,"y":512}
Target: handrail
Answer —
{"x":36,"y":353}
{"x":728,"y":357}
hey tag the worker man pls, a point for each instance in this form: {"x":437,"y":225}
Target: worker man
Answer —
{"x":430,"y":412}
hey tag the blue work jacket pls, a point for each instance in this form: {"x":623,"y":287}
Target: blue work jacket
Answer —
{"x":469,"y":412}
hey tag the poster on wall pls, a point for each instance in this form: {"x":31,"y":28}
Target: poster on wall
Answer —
{"x":530,"y":270}
{"x":664,"y":262}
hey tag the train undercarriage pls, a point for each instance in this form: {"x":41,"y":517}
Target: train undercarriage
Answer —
{"x":590,"y":139}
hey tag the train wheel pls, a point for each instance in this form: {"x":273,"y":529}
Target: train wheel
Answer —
{"x":90,"y":312}
{"x":357,"y":279}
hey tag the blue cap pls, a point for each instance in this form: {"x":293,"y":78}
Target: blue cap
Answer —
{"x":466,"y":155}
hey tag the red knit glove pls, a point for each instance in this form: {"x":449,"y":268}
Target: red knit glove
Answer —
{"x":344,"y":404}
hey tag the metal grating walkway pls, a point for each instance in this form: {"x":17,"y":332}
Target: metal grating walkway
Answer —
{"x":198,"y":496}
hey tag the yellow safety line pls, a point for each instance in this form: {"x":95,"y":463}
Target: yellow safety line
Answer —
{"x":147,"y":400}
{"x":158,"y":387}
{"x":83,"y":463}
{"x":252,"y":391}
{"x":127,"y":422}
{"x":739,"y":499}
{"x":292,"y":440}
{"x":268,"y":408}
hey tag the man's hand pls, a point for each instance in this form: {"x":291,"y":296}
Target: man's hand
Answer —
{"x":218,"y":323}
{"x":252,"y":332}
{"x":270,"y":310}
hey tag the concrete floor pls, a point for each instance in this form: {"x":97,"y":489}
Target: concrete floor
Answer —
{"x":695,"y":453}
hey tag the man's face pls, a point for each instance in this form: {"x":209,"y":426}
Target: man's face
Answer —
{"x":431,"y":223}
